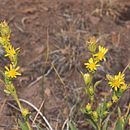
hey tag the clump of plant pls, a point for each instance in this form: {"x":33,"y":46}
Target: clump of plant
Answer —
{"x":11,"y":71}
{"x":99,"y":114}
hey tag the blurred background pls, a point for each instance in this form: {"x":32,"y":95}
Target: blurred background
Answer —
{"x":52,"y":37}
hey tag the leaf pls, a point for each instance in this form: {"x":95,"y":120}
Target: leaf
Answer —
{"x":7,"y":92}
{"x":93,"y":123}
{"x":106,"y":121}
{"x":119,"y":124}
{"x":119,"y":112}
{"x":97,"y":83}
{"x":127,"y":116}
{"x":23,"y":125}
{"x":72,"y":126}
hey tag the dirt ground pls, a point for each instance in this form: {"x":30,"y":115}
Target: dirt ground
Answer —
{"x":51,"y":35}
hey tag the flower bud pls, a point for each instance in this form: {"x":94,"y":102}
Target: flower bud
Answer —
{"x":87,"y":78}
{"x":92,"y":44}
{"x":95,"y":115}
{"x":91,"y":91}
{"x":88,"y":107}
{"x":92,"y":48}
{"x":109,"y":104}
{"x":25,"y":112}
{"x":114,"y":98}
{"x":105,"y":113}
{"x":4,"y":29}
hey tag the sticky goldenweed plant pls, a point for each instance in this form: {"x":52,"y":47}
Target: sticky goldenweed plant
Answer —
{"x":98,"y":113}
{"x":11,"y":71}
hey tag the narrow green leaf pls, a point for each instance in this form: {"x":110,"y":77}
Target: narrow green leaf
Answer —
{"x":119,"y":124}
{"x":72,"y":126}
{"x":127,"y":119}
{"x":94,"y":125}
{"x":119,"y":112}
{"x":23,"y":125}
{"x":97,"y":83}
{"x":105,"y":123}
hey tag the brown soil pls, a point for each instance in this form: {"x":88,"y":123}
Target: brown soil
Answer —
{"x":52,"y":35}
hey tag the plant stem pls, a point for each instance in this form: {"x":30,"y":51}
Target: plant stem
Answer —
{"x":99,"y":126}
{"x":21,"y":108}
{"x":18,"y":102}
{"x":29,"y":127}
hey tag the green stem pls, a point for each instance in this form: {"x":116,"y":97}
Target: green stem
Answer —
{"x":28,"y":125}
{"x":99,"y":126}
{"x":18,"y":102}
{"x":21,"y":108}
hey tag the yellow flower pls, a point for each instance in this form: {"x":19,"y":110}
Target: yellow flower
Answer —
{"x":91,"y":65}
{"x":101,"y":54}
{"x":11,"y":52}
{"x":11,"y":72}
{"x":117,"y":81}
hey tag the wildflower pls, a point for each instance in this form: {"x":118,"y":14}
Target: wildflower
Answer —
{"x":101,"y":54}
{"x":117,"y":81}
{"x":11,"y":72}
{"x":92,"y":65}
{"x":10,"y":51}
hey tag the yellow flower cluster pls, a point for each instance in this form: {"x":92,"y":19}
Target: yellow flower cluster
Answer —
{"x":117,"y":81}
{"x":91,"y":113}
{"x":11,"y":53}
{"x":92,"y":63}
